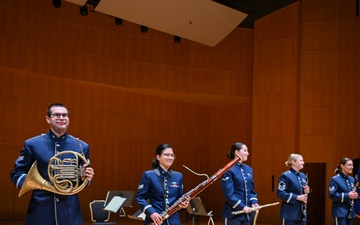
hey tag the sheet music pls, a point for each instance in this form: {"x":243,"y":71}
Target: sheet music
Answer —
{"x":125,"y":194}
{"x":115,"y":204}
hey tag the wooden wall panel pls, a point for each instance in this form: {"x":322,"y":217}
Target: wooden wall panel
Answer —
{"x":70,"y":34}
{"x":318,"y":11}
{"x":319,"y":94}
{"x":319,"y":65}
{"x":348,"y":93}
{"x":315,"y":121}
{"x":142,"y":49}
{"x":329,"y":85}
{"x":175,"y":55}
{"x":319,"y":35}
{"x":74,"y":65}
{"x":39,"y":58}
{"x":348,"y":39}
{"x":349,"y":118}
{"x":348,"y":68}
{"x":284,"y":20}
{"x":275,"y":102}
{"x":10,"y":13}
{"x":48,"y":27}
{"x":10,"y":51}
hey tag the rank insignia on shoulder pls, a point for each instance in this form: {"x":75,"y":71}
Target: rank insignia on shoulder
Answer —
{"x":282,"y":186}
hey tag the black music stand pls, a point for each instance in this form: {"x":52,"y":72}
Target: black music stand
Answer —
{"x":128,"y":195}
{"x":114,"y":205}
{"x":196,"y":209}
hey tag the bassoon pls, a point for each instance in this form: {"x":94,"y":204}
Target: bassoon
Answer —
{"x":197,"y":190}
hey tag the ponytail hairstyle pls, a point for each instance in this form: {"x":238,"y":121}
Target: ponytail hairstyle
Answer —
{"x":234,"y":147}
{"x":292,"y":157}
{"x":343,"y":161}
{"x":159,"y":150}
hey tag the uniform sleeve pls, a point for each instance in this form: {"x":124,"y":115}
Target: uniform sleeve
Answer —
{"x":142,"y":195}
{"x":22,"y":165}
{"x":227,"y":188}
{"x":282,"y":190}
{"x":253,"y":194}
{"x":335,"y":194}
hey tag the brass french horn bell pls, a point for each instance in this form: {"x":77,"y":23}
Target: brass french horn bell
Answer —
{"x":65,"y":175}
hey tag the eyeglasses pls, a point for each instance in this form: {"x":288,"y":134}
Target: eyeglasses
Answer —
{"x":169,"y":155}
{"x":58,"y":115}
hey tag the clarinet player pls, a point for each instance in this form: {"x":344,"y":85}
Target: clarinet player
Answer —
{"x":342,"y":193}
{"x":293,"y":190}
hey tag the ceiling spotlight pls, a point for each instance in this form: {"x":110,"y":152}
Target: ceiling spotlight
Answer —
{"x":93,"y":3}
{"x":57,"y":3}
{"x":144,"y":29}
{"x":84,"y":10}
{"x":177,"y":39}
{"x":118,"y":21}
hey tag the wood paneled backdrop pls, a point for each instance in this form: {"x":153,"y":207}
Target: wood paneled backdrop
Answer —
{"x":291,"y":84}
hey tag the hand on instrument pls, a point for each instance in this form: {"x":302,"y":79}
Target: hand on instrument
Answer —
{"x":255,"y":207}
{"x":156,"y":218}
{"x":302,"y":198}
{"x":353,"y":195}
{"x":247,"y":209}
{"x":306,"y":189}
{"x":184,"y":205}
{"x":89,"y":172}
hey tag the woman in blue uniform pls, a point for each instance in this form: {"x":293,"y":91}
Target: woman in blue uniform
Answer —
{"x":293,"y":190}
{"x":343,"y":193}
{"x":160,"y":187}
{"x":46,"y":207}
{"x":237,"y":186}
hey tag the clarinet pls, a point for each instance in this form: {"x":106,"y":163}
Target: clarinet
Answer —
{"x":351,"y":209}
{"x":304,"y":205}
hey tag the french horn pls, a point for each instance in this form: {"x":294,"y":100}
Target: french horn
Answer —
{"x":65,"y":175}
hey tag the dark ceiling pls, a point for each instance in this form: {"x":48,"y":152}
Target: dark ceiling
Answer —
{"x":255,"y":9}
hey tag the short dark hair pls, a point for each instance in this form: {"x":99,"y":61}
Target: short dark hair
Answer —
{"x":48,"y":110}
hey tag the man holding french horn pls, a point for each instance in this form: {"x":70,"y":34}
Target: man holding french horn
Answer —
{"x":55,"y":166}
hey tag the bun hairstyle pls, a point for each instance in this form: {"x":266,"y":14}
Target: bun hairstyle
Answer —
{"x":158,"y":151}
{"x":343,"y":161}
{"x":292,"y":157}
{"x":234,"y":147}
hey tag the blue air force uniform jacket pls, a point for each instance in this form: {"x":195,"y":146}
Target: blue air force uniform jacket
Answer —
{"x":289,"y":187}
{"x":157,"y":191}
{"x":339,"y":188}
{"x":237,"y":186}
{"x":46,"y":207}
